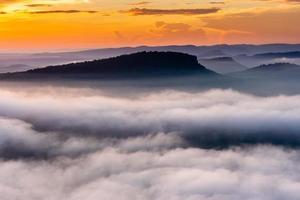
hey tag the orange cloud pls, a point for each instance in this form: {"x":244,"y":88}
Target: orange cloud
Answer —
{"x":287,"y":1}
{"x":293,"y":1}
{"x":7,"y":2}
{"x":38,"y":5}
{"x":62,"y":11}
{"x":145,"y":11}
{"x":32,"y":24}
{"x":270,"y":26}
{"x":180,"y":32}
{"x":217,"y":2}
{"x":139,"y":3}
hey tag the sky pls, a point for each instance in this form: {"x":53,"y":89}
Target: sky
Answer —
{"x":34,"y":25}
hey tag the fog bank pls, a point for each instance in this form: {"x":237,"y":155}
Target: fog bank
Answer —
{"x":211,"y":119}
{"x":75,"y":144}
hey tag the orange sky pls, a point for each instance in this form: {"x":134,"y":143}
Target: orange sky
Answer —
{"x":34,"y":25}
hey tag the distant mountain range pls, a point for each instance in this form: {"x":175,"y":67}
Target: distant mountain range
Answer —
{"x":166,"y":70}
{"x":269,"y":58}
{"x":277,"y":71}
{"x":290,"y":54}
{"x":276,"y":67}
{"x":158,"y":65}
{"x":243,"y":54}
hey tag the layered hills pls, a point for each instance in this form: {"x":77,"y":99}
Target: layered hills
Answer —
{"x":276,"y":71}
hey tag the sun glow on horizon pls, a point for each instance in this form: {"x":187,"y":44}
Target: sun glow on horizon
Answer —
{"x":28,"y":25}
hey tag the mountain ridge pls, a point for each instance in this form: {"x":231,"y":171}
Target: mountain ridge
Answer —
{"x":141,"y":64}
{"x":276,"y":71}
{"x":272,"y":67}
{"x":289,"y":54}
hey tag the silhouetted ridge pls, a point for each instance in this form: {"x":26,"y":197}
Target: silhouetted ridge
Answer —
{"x":219,"y":59}
{"x":273,"y":67}
{"x":141,"y":64}
{"x":278,"y":71}
{"x":290,"y":54}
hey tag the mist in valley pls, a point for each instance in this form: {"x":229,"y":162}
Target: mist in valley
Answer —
{"x":218,"y":123}
{"x":75,"y":141}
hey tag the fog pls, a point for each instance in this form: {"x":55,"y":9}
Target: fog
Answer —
{"x":88,"y":143}
{"x":213,"y":119}
{"x":260,"y":172}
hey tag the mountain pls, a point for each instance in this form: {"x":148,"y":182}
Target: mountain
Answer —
{"x":269,"y":58}
{"x":290,"y":54}
{"x":164,"y":70}
{"x":137,"y":65}
{"x":277,"y":67}
{"x":277,"y":71}
{"x":250,"y":49}
{"x":57,"y":58}
{"x":222,"y":65}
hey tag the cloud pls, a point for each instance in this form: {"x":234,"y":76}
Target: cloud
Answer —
{"x":261,"y":172}
{"x":260,"y":24}
{"x":62,"y":11}
{"x":172,"y":26}
{"x":38,"y":5}
{"x":213,"y":119}
{"x":4,"y":3}
{"x":217,"y":2}
{"x":19,"y":141}
{"x":145,"y":11}
{"x":9,"y":1}
{"x":92,"y":144}
{"x":287,"y":1}
{"x":139,"y":3}
{"x":17,"y":138}
{"x":35,"y":3}
{"x":180,"y":32}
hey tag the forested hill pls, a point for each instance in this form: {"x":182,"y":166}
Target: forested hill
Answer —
{"x":142,"y":63}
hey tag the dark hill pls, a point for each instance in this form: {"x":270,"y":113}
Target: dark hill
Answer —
{"x":143,"y":64}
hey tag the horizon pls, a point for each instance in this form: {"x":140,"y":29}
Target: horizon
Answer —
{"x":137,"y":46}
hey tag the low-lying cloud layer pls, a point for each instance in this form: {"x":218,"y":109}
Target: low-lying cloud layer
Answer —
{"x":266,"y":173}
{"x":84,"y":144}
{"x":212,"y":119}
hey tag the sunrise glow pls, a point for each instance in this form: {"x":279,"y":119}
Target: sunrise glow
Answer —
{"x":32,"y":25}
